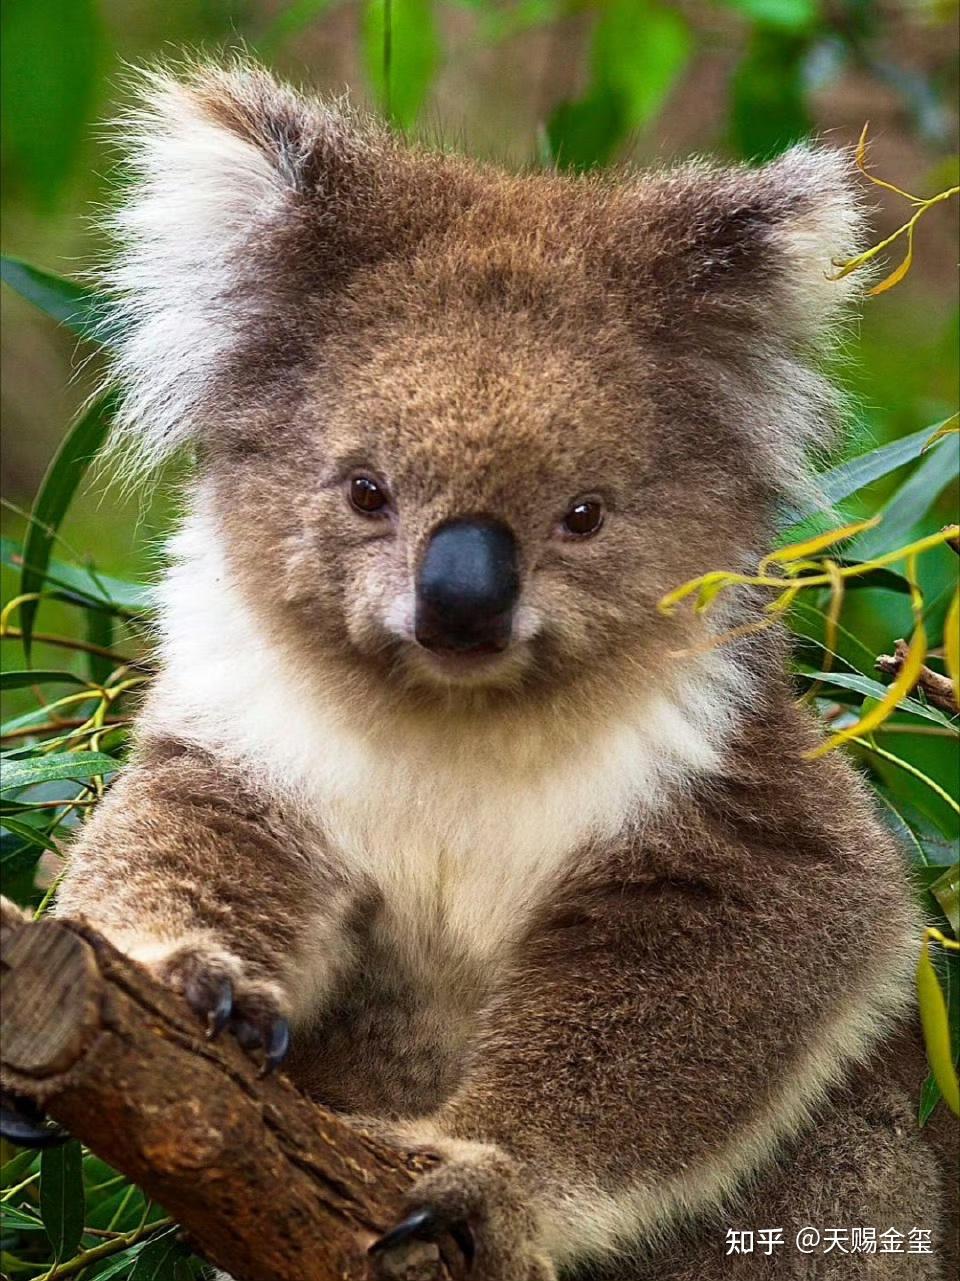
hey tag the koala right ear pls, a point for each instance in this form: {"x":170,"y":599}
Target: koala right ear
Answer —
{"x":242,"y":195}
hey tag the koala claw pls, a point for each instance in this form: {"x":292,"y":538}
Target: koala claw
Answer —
{"x":426,"y":1223}
{"x":23,"y":1124}
{"x":217,"y":990}
{"x":218,"y":1016}
{"x":277,"y":1045}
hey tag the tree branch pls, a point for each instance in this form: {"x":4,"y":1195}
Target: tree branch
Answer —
{"x":264,"y":1182}
{"x":938,"y":688}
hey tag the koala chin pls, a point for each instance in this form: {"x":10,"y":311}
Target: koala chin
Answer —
{"x":524,"y":871}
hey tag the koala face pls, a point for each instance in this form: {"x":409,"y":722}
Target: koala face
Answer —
{"x":461,"y":431}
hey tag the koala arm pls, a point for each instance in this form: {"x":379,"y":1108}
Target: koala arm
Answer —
{"x":657,"y":1038}
{"x":184,"y":869}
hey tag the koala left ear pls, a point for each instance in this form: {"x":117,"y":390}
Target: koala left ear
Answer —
{"x":753,"y":250}
{"x":244,"y":200}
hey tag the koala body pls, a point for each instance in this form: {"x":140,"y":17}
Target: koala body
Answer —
{"x":540,"y":877}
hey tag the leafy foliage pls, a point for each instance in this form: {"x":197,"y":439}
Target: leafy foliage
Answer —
{"x":75,"y":635}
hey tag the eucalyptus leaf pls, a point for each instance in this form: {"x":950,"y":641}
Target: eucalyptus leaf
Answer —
{"x":66,"y":301}
{"x":38,"y":676}
{"x":946,"y":890}
{"x":60,"y":765}
{"x":63,"y":476}
{"x":94,"y":589}
{"x":28,"y":834}
{"x":910,"y":503}
{"x":14,"y":1217}
{"x":62,"y":1201}
{"x":848,"y":478}
{"x":158,"y":1259}
{"x":874,"y":689}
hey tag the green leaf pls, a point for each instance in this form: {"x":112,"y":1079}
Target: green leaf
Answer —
{"x":49,"y":82}
{"x":911,"y":502}
{"x":929,"y":848}
{"x":28,"y":834}
{"x":880,"y":579}
{"x":98,"y":591}
{"x":98,"y":627}
{"x":12,"y":1217}
{"x":158,"y":1259}
{"x":68,"y":302}
{"x":639,"y":51}
{"x":62,"y":1197}
{"x":874,"y":689}
{"x":946,"y":890}
{"x":401,"y":51}
{"x":849,"y":477}
{"x":67,"y":468}
{"x":38,"y":676}
{"x":60,"y":765}
{"x":122,"y":1263}
{"x":791,"y":15}
{"x":768,"y":102}
{"x":936,"y":1030}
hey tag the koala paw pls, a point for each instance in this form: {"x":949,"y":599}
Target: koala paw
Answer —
{"x":216,"y":987}
{"x":474,"y":1197}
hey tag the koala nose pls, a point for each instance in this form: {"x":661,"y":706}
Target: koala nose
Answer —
{"x":467,"y":586}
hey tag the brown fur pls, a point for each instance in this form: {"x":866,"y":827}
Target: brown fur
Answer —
{"x":637,"y":1016}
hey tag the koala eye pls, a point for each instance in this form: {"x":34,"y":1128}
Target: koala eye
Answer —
{"x":367,"y":496}
{"x":584,"y":518}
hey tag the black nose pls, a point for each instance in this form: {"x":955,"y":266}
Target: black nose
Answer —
{"x":468,"y":586}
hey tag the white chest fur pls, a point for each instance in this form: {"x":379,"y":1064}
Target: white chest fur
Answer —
{"x":467,"y":830}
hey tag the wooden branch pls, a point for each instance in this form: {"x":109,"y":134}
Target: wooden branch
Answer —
{"x":266,"y":1184}
{"x":938,"y":688}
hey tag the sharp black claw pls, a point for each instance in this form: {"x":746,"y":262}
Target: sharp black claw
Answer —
{"x":278,"y":1043}
{"x":219,"y":1016}
{"x":23,"y":1124}
{"x":418,"y":1223}
{"x":427,"y":1224}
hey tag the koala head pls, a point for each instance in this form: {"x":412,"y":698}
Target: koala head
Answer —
{"x":460,"y":430}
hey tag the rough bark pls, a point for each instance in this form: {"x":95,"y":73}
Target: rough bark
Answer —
{"x":266,"y":1184}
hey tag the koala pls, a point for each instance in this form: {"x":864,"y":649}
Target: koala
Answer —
{"x":427,"y":790}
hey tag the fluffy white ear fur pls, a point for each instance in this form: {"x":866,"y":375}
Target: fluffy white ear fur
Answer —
{"x":830,"y":230}
{"x":200,"y":196}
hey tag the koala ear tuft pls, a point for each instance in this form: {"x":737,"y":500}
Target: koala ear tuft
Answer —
{"x":751,"y":249}
{"x":221,"y":164}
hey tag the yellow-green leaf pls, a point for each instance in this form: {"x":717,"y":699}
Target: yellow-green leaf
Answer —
{"x":950,"y":428}
{"x":936,"y":1029}
{"x":809,"y":546}
{"x":898,"y":273}
{"x":951,"y":643}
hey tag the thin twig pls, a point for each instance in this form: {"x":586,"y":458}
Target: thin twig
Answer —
{"x":938,"y":689}
{"x":69,"y":642}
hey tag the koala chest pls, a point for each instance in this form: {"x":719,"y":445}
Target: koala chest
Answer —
{"x":458,"y":869}
{"x":446,"y":885}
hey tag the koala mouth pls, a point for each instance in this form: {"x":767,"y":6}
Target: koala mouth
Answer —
{"x":481,"y":665}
